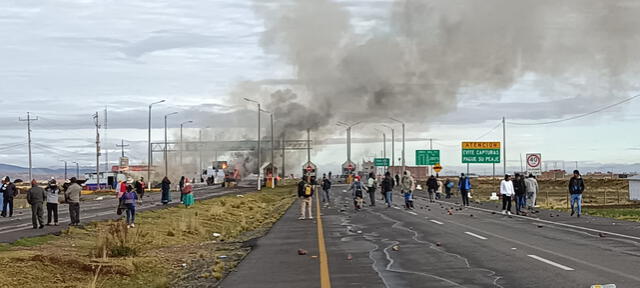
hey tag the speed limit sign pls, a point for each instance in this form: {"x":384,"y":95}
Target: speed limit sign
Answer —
{"x":534,"y":163}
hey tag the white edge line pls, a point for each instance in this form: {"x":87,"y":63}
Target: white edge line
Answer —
{"x":437,"y":222}
{"x":476,"y":235}
{"x":551,"y":263}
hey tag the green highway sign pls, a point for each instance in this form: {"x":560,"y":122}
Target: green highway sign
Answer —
{"x":381,"y":162}
{"x":427,"y":157}
{"x":480,"y":152}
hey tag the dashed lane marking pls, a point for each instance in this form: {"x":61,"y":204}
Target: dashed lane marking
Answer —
{"x":565,"y":268}
{"x":437,"y":222}
{"x":476,"y":235}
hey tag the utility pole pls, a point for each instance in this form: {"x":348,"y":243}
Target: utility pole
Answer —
{"x":96,"y":118}
{"x":29,"y":120}
{"x":150,"y":153}
{"x":122,"y":146}
{"x":403,"y":144}
{"x":200,"y":150}
{"x":182,"y":143}
{"x":308,"y":145}
{"x":65,"y":168}
{"x":273,"y":148}
{"x":504,"y":145}
{"x":393,"y":148}
{"x":106,"y":151}
{"x":259,"y":140}
{"x":166,"y":145}
{"x":284,"y":175}
{"x":77,"y":170}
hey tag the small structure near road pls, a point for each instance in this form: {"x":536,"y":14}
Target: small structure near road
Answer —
{"x":634,"y":188}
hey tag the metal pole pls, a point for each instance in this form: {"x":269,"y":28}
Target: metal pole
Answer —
{"x":393,"y":147}
{"x":283,"y":160}
{"x":200,"y":150}
{"x":97,"y":122}
{"x":384,"y":145}
{"x":181,"y":145}
{"x":403,"y":150}
{"x":273,"y":164}
{"x":106,"y":150}
{"x":166,"y":161}
{"x":149,"y":149}
{"x":77,"y":170}
{"x":29,"y":120}
{"x":308,"y":145}
{"x":349,"y":145}
{"x":259,"y":152}
{"x":504,"y":145}
{"x":467,"y":169}
{"x":65,"y":169}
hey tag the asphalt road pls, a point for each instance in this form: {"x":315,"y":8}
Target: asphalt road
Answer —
{"x":435,"y":249}
{"x":92,"y":208}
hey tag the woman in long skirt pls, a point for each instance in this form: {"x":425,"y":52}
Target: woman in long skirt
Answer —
{"x":187,"y":191}
{"x":166,"y":191}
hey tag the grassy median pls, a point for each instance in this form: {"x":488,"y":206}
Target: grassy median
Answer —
{"x":174,"y":247}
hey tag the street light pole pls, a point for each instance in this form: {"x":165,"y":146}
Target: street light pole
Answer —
{"x":181,"y":142}
{"x":150,"y":155}
{"x":77,"y":170}
{"x":259,"y":140}
{"x":393,"y":148}
{"x":403,"y":144}
{"x":166,"y":147}
{"x":65,"y":169}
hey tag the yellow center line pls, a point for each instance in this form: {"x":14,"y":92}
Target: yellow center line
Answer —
{"x":325,"y":280}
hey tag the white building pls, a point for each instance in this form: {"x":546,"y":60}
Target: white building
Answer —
{"x":634,"y":188}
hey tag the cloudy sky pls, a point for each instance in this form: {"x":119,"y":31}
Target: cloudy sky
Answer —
{"x":64,"y":60}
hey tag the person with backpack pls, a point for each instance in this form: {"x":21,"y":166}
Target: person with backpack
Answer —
{"x":326,"y":187}
{"x":448,"y":185}
{"x":408,"y":185}
{"x":305,"y":193}
{"x":432,"y":187}
{"x":371,"y":189}
{"x":9,"y":191}
{"x":52,"y":202}
{"x":387,"y":188}
{"x":520,"y":190}
{"x":129,"y":199}
{"x":358,"y":193}
{"x":36,"y":198}
{"x":464,"y":185}
{"x":576,"y":187}
{"x":506,"y":192}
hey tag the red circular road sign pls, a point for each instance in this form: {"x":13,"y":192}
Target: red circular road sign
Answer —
{"x":534,"y":160}
{"x":309,"y":168}
{"x":350,"y":167}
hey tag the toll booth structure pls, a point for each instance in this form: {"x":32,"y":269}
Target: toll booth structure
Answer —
{"x":309,"y":170}
{"x":348,"y":170}
{"x":270,"y":174}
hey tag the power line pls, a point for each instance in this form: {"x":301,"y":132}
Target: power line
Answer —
{"x":577,"y":116}
{"x":489,"y":132}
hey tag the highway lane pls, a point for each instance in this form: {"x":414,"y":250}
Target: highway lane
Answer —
{"x":435,"y":249}
{"x":91,"y":209}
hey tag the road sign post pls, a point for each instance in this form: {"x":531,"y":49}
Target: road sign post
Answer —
{"x":480,"y":152}
{"x":534,"y":163}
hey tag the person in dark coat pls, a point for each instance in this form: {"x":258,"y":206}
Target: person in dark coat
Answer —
{"x":432,"y":187}
{"x":166,"y":190}
{"x":181,"y":186}
{"x":520,"y":189}
{"x":576,"y":187}
{"x":387,"y":189}
{"x":36,"y":196}
{"x":9,"y":191}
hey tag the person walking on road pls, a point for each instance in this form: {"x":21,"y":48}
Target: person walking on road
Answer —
{"x":408,"y":185}
{"x":36,"y":196}
{"x":520,"y":190}
{"x":140,"y":186}
{"x":371,"y":188}
{"x":305,"y":193}
{"x":432,"y":187}
{"x":448,"y":185}
{"x":576,"y":187}
{"x":166,"y":190}
{"x":464,"y":185}
{"x":129,"y":199}
{"x":387,"y":189}
{"x":397,"y":178}
{"x":326,"y":188}
{"x":357,"y":189}
{"x":506,"y":191}
{"x":9,"y":191}
{"x":532,"y":191}
{"x":439,"y":190}
{"x":52,"y":202}
{"x":72,"y":197}
{"x":187,"y":191}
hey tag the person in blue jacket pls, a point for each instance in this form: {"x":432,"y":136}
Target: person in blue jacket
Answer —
{"x":464,"y":185}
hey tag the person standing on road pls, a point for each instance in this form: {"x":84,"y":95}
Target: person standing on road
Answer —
{"x":52,"y":202}
{"x":140,"y":186}
{"x":520,"y":190}
{"x":506,"y":191}
{"x":576,"y":187}
{"x":36,"y":198}
{"x":387,"y":188}
{"x":188,"y":193}
{"x":448,"y":185}
{"x":464,"y":185}
{"x":9,"y":191}
{"x":439,"y":190}
{"x":397,"y":181}
{"x":371,"y":188}
{"x":408,"y":185}
{"x":432,"y":187}
{"x":72,"y":197}
{"x":357,"y":189}
{"x":305,"y":193}
{"x":166,"y":190}
{"x":326,"y":188}
{"x":532,"y":191}
{"x":129,"y":199}
{"x":181,"y":186}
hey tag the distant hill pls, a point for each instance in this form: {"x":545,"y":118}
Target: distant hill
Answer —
{"x":14,"y":171}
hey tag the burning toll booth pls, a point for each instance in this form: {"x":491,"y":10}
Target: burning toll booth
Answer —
{"x":269,"y":174}
{"x":309,"y":170}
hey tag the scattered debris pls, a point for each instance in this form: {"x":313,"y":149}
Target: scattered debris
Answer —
{"x":100,"y":198}
{"x":359,"y":232}
{"x":470,"y":215}
{"x":349,"y":257}
{"x":514,"y":248}
{"x":540,"y":226}
{"x":395,"y":248}
{"x":438,"y":244}
{"x":184,"y":265}
{"x":222,"y":257}
{"x":602,"y":234}
{"x":494,"y":212}
{"x":302,"y":252}
{"x":240,"y":196}
{"x":217,"y":235}
{"x":314,"y":256}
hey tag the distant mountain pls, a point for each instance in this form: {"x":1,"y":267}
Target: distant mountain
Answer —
{"x":14,"y":171}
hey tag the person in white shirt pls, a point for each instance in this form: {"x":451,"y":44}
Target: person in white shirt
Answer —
{"x":371,"y":188}
{"x":506,"y":191}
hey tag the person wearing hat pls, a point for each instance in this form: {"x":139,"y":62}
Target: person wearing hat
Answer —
{"x":72,"y":197}
{"x":9,"y":191}
{"x":506,"y":191}
{"x":408,"y":185}
{"x":358,"y":196}
{"x":576,"y":187}
{"x":52,"y":202}
{"x":36,"y":196}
